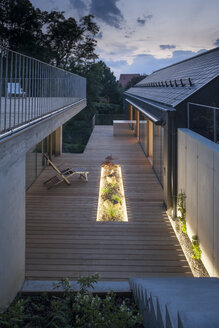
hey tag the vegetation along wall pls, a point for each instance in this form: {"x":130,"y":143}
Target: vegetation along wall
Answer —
{"x":198,"y":179}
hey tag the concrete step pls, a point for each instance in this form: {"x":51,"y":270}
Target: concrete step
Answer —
{"x":39,"y":286}
{"x":177,"y":302}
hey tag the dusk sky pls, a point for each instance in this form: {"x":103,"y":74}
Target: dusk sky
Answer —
{"x":140,"y":36}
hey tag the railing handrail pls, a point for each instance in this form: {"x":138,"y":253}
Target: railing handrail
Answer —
{"x":30,"y":88}
{"x":214,"y":119}
{"x":201,"y":105}
{"x":40,"y":61}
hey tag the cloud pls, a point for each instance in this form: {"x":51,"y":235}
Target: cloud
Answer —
{"x":146,"y":63}
{"x":107,"y":11}
{"x":99,"y":35}
{"x":167,"y":46}
{"x":116,"y":64}
{"x":216,"y":43}
{"x":78,"y":4}
{"x":144,"y":19}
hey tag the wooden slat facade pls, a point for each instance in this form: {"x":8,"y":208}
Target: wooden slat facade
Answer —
{"x":63,"y":238}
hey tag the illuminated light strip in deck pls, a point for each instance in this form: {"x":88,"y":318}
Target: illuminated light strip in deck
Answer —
{"x":124,"y":216}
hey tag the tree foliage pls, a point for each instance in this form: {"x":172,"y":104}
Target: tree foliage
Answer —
{"x":101,"y":83}
{"x":48,"y":36}
{"x":135,"y":80}
{"x":65,"y":43}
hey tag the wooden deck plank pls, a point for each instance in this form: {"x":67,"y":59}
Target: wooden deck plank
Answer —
{"x":63,"y":238}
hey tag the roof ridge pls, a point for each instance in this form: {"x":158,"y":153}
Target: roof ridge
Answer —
{"x":185,"y":60}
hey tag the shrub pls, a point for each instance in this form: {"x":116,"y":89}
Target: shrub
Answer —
{"x":182,"y":211}
{"x":78,"y":310}
{"x":196,"y":248}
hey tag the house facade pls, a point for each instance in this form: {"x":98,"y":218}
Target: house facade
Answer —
{"x":172,"y":98}
{"x":176,"y":115}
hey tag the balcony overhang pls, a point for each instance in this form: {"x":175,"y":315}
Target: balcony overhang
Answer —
{"x":151,"y":117}
{"x":153,"y":111}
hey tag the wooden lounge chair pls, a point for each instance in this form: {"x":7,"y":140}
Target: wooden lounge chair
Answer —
{"x":64,"y":175}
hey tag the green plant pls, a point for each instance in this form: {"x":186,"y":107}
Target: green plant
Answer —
{"x":70,"y":309}
{"x":111,"y":211}
{"x":88,"y":282}
{"x":116,"y":198}
{"x":196,"y":248}
{"x":181,"y":211}
{"x":107,"y":190}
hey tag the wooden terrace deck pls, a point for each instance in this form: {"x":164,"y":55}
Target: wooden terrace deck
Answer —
{"x":63,"y":238}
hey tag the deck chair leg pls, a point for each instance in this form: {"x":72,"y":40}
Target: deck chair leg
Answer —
{"x":84,"y":176}
{"x":50,"y":179}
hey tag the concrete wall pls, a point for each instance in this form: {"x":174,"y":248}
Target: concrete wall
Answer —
{"x":12,"y":199}
{"x":12,"y":229}
{"x":198,"y":177}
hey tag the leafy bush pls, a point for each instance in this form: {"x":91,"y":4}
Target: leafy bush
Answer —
{"x":78,"y":310}
{"x":107,"y":108}
{"x":182,"y":212}
{"x":196,"y":248}
{"x":73,"y":148}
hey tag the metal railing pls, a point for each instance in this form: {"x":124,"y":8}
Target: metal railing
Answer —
{"x":31,"y":89}
{"x":204,"y":120}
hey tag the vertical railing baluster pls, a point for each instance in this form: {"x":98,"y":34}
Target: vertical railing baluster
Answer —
{"x":40,"y":90}
{"x":1,"y":95}
{"x":32,"y":87}
{"x":26,"y":87}
{"x":21,"y":89}
{"x":38,"y":84}
{"x":29,"y":84}
{"x":15,"y":81}
{"x":47,"y":89}
{"x":24,"y":90}
{"x":11,"y":74}
{"x":6,"y":89}
{"x":50,"y":89}
{"x":44,"y":95}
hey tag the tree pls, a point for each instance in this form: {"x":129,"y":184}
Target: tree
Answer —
{"x":48,"y":36}
{"x":111,"y":88}
{"x":21,"y":27}
{"x":69,"y":43}
{"x":135,"y":80}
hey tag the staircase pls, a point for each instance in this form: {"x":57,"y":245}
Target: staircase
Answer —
{"x":177,"y":302}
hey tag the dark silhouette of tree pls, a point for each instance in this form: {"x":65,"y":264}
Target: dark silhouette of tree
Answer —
{"x":21,"y":27}
{"x":135,"y":80}
{"x":48,"y":36}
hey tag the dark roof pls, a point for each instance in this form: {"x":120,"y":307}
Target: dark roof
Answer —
{"x":173,"y":84}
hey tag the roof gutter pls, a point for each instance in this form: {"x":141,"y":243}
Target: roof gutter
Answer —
{"x":151,"y":117}
{"x":151,"y":103}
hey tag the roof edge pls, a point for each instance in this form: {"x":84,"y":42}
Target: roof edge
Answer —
{"x":185,"y":60}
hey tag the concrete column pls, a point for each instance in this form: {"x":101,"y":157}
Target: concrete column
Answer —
{"x":12,"y":229}
{"x":58,"y":141}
